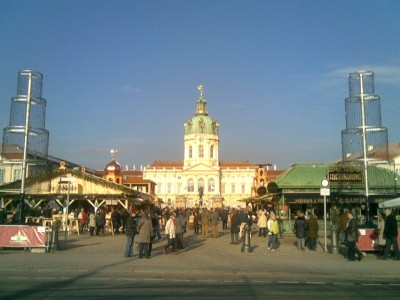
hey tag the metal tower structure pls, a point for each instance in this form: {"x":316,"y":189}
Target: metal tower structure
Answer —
{"x":364,"y":137}
{"x":364,"y":141}
{"x":26,"y":132}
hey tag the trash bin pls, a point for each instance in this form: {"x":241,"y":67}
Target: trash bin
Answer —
{"x":246,"y":248}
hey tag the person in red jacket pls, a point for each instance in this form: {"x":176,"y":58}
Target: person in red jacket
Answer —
{"x":82,"y":220}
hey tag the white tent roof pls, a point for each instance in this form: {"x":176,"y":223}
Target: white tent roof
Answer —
{"x":390,"y":203}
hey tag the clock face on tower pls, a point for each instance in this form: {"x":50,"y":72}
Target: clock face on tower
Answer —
{"x":324,"y":183}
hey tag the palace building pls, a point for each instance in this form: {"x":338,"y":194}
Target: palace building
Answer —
{"x":201,"y":178}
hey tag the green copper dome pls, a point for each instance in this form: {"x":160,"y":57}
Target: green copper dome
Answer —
{"x":201,"y":122}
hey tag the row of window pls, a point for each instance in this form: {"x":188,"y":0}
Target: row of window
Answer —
{"x":201,"y":151}
{"x":210,"y":188}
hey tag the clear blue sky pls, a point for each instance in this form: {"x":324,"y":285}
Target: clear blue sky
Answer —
{"x":124,"y":74}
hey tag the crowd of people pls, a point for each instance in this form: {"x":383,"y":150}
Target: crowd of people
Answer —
{"x":305,"y":229}
{"x":205,"y":223}
{"x":147,"y":225}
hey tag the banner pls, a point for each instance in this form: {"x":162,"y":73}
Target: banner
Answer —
{"x":22,"y":236}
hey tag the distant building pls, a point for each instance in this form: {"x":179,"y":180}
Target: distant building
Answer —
{"x":129,"y":178}
{"x":202,"y":179}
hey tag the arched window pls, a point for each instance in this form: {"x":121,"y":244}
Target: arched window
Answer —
{"x":212,"y":151}
{"x":190,"y":185}
{"x":190,"y":152}
{"x":201,"y":182}
{"x":201,"y":151}
{"x":211,"y":185}
{"x":200,"y":186}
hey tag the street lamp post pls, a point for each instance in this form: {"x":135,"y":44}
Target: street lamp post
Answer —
{"x":364,"y":141}
{"x":26,"y":143}
{"x":325,"y":191}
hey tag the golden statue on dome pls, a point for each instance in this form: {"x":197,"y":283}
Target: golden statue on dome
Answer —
{"x":200,"y":88}
{"x":113,"y":152}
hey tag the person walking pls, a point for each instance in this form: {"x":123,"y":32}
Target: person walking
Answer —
{"x":170,"y":233}
{"x":82,"y":216}
{"x":262,"y":224}
{"x":235,"y":226}
{"x":224,"y":219}
{"x":156,"y":225}
{"x":379,"y":231}
{"x":300,"y":230}
{"x":124,"y":217}
{"x":180,"y":229}
{"x":244,"y":220}
{"x":92,"y":222}
{"x":100,"y":221}
{"x":390,"y":233}
{"x":205,"y":221}
{"x":273,"y":230}
{"x":145,"y":228}
{"x":214,"y":222}
{"x":116,"y":220}
{"x":131,"y":230}
{"x":352,"y":239}
{"x":312,"y":232}
{"x":196,"y":221}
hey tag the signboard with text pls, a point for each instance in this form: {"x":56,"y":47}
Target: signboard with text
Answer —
{"x":343,"y":174}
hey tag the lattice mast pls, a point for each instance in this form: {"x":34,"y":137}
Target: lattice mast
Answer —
{"x":364,"y":139}
{"x":26,"y":132}
{"x":27,"y":118}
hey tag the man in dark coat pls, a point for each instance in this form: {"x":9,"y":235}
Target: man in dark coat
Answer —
{"x":196,"y":221}
{"x":155,"y":220}
{"x":352,"y":239}
{"x":390,"y":233}
{"x":312,"y":232}
{"x":124,"y":218}
{"x":224,"y":218}
{"x":131,"y":230}
{"x":300,"y":230}
{"x":235,"y":227}
{"x":116,"y":220}
{"x":100,"y":221}
{"x":180,"y":229}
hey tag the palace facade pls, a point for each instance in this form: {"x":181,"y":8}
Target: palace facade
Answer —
{"x":201,"y":178}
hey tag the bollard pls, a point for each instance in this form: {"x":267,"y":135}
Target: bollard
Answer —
{"x":334,"y":239}
{"x":55,"y":246}
{"x":246,"y":240}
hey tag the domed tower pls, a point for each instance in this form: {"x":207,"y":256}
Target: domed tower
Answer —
{"x":112,"y":171}
{"x":201,"y":137}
